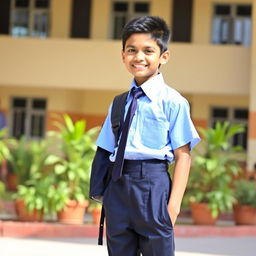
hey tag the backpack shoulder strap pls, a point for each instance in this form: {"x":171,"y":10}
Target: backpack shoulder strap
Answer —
{"x":117,"y":113}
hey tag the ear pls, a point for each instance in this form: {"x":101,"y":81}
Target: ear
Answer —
{"x":164,"y":57}
{"x":122,"y":54}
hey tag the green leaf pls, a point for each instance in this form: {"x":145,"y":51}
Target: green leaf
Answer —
{"x":82,"y":173}
{"x":39,"y":203}
{"x":79,"y":129}
{"x":52,"y":159}
{"x":60,"y":169}
{"x":201,"y":160}
{"x":69,"y":123}
{"x":71,"y":175}
{"x":79,"y":197}
{"x":211,"y":164}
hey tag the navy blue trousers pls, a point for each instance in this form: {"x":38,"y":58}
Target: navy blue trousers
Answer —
{"x":136,"y":210}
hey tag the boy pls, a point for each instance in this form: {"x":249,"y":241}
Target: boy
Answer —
{"x":141,"y":203}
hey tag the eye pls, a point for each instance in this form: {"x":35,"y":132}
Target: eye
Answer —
{"x":130,"y":50}
{"x":148,"y":51}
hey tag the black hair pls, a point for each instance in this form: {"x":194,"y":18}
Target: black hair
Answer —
{"x":155,"y":26}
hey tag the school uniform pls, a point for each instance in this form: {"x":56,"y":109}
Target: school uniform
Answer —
{"x":136,"y":204}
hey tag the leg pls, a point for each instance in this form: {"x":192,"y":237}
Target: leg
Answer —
{"x":155,"y":246}
{"x":125,"y":244}
{"x":154,"y":224}
{"x":121,"y":239}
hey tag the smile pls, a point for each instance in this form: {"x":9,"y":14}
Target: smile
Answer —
{"x":139,"y":66}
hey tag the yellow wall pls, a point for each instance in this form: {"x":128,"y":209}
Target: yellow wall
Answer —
{"x":97,"y":102}
{"x":163,"y":9}
{"x":60,"y":18}
{"x":201,"y":103}
{"x":202,"y":19}
{"x":208,"y":69}
{"x":77,"y":101}
{"x":253,"y":63}
{"x":93,"y":64}
{"x":100,"y":19}
{"x":59,"y":100}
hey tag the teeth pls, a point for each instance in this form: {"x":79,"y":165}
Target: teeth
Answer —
{"x":139,"y":66}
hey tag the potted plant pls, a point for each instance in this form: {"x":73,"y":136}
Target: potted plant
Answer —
{"x":212,"y":171}
{"x":33,"y":196}
{"x":245,"y":206}
{"x":95,"y":210}
{"x":33,"y":201}
{"x":72,"y":169}
{"x":19,"y":163}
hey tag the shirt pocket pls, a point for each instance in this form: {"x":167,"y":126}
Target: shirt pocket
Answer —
{"x":154,"y":133}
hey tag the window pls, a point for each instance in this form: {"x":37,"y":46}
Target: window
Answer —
{"x":81,"y":17}
{"x":30,"y":18}
{"x":28,"y":117}
{"x":234,"y":116}
{"x":123,"y":11}
{"x":182,"y":20}
{"x":232,"y":24}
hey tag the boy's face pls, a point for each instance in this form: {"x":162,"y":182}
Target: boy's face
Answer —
{"x":142,"y":57}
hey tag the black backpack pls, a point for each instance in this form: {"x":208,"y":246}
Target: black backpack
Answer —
{"x":101,"y":166}
{"x":117,"y":114}
{"x":101,"y":170}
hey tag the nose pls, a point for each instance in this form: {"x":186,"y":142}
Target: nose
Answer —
{"x":139,"y":56}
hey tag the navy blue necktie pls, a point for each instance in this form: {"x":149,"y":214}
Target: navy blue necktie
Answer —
{"x":118,"y":165}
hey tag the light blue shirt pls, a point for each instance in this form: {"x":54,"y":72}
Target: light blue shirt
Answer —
{"x":160,"y":125}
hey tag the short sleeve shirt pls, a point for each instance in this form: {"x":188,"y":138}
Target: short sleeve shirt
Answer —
{"x":161,"y":124}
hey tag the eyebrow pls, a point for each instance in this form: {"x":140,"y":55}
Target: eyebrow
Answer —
{"x":147,"y":47}
{"x":130,"y":46}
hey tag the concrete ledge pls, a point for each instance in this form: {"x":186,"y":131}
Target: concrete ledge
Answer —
{"x":46,"y":229}
{"x":204,"y":231}
{"x":1,"y":228}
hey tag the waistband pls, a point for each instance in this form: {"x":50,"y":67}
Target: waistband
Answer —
{"x":150,"y":164}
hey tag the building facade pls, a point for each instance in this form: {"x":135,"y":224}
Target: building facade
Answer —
{"x":64,"y":56}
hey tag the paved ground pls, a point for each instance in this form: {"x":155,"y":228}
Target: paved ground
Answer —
{"x":208,"y":246}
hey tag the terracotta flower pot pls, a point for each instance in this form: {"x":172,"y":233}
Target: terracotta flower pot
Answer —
{"x":73,"y":213}
{"x":24,"y":215}
{"x":201,"y":214}
{"x":244,"y":215}
{"x":96,"y":213}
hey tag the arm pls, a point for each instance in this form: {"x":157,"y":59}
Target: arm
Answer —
{"x":106,"y":138}
{"x":180,"y":178}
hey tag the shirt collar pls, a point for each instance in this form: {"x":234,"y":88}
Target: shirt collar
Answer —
{"x":151,"y":87}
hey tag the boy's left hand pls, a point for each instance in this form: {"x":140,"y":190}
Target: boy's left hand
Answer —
{"x":173,"y":213}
